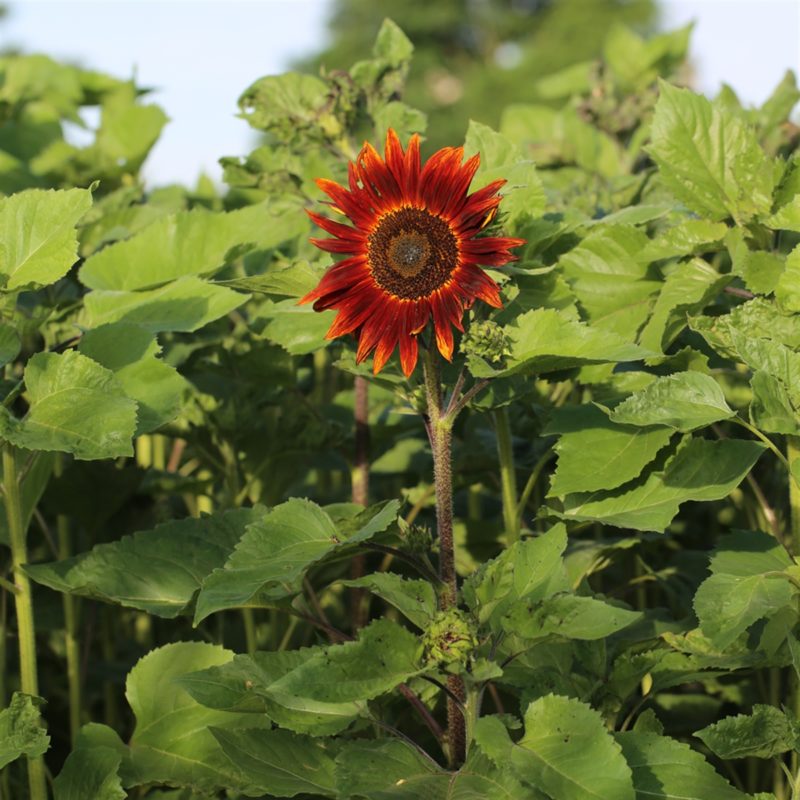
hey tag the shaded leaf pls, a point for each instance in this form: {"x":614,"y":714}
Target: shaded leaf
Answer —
{"x":157,"y":571}
{"x":22,"y":732}
{"x":701,"y":470}
{"x":414,"y":599}
{"x":765,"y":733}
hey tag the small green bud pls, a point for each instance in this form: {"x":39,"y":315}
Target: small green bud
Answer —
{"x":418,"y":540}
{"x":486,"y":339}
{"x":449,"y":640}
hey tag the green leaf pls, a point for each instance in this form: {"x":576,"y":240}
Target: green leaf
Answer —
{"x":277,"y":549}
{"x":414,"y":599}
{"x":619,"y":452}
{"x":701,"y":470}
{"x":787,"y":290}
{"x":523,"y":194}
{"x":245,"y":684}
{"x":569,"y":616}
{"x":298,"y":329}
{"x":186,"y":304}
{"x":37,"y":231}
{"x":610,"y":278}
{"x":530,"y":569}
{"x":132,"y":353}
{"x":771,"y":409}
{"x":765,"y":733}
{"x":172,"y":742}
{"x":10,"y":343}
{"x":293,"y":281}
{"x":564,"y":746}
{"x":196,"y":242}
{"x":386,"y":769}
{"x":21,"y":730}
{"x":684,"y":401}
{"x":284,"y":102}
{"x":709,"y":157}
{"x":91,"y":770}
{"x":748,"y":582}
{"x":383,"y":656}
{"x":760,"y":270}
{"x":392,"y":770}
{"x":688,"y":288}
{"x":157,"y":571}
{"x":686,"y":238}
{"x":76,"y":406}
{"x":664,"y":769}
{"x":392,"y":44}
{"x":279,"y":763}
{"x":545,"y":340}
{"x":786,"y":218}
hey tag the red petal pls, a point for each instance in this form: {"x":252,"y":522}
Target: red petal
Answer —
{"x":336,"y":228}
{"x":476,"y":283}
{"x":408,"y":353}
{"x":444,"y":333}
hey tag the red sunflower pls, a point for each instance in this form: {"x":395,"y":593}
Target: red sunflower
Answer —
{"x":413,"y":250}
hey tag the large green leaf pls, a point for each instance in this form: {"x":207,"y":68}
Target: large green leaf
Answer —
{"x":393,"y":770}
{"x":748,"y":582}
{"x":701,"y":470}
{"x":688,"y":287}
{"x":196,"y":242}
{"x":664,"y":769}
{"x":245,"y":684}
{"x":172,"y":742}
{"x":610,"y":278}
{"x":91,"y":769}
{"x":528,"y":570}
{"x":132,"y":353}
{"x":709,"y":157}
{"x":76,"y":406}
{"x":157,"y":571}
{"x":37,"y":231}
{"x":544,"y":340}
{"x":318,"y":690}
{"x":684,"y":401}
{"x":21,"y":730}
{"x":568,"y":615}
{"x":279,"y":763}
{"x":765,"y":733}
{"x":186,"y":304}
{"x":772,"y":409}
{"x":566,"y":752}
{"x":619,"y":453}
{"x":277,"y":549}
{"x":787,"y":291}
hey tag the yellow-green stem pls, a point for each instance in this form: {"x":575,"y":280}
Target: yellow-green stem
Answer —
{"x":249,"y":631}
{"x":508,"y":474}
{"x":70,"y":606}
{"x":29,"y":680}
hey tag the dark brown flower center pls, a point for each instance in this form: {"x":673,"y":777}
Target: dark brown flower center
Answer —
{"x":412,"y":252}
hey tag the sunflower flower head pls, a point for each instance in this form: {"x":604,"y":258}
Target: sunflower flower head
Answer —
{"x":413,"y":253}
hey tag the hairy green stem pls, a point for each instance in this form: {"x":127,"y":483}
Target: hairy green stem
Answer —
{"x":440,"y":432}
{"x":359,"y":482}
{"x":792,"y":454}
{"x":508,"y":474}
{"x":29,"y":681}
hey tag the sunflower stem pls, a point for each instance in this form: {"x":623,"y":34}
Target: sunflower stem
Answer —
{"x":440,"y":431}
{"x":26,"y":630}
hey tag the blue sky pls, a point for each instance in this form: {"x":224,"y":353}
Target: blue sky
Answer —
{"x":202,"y":55}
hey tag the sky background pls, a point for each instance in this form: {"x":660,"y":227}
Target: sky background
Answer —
{"x":200,"y":55}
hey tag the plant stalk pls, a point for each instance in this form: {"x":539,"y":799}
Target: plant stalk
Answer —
{"x":29,"y":681}
{"x":440,"y":432}
{"x":359,"y":482}
{"x":508,"y":474}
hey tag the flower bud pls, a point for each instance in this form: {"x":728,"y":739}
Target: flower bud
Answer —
{"x":487,"y":340}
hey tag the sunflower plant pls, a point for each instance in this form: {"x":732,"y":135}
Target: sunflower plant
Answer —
{"x":544,"y":545}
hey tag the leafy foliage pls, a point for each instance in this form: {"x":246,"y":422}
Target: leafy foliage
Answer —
{"x":185,"y":453}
